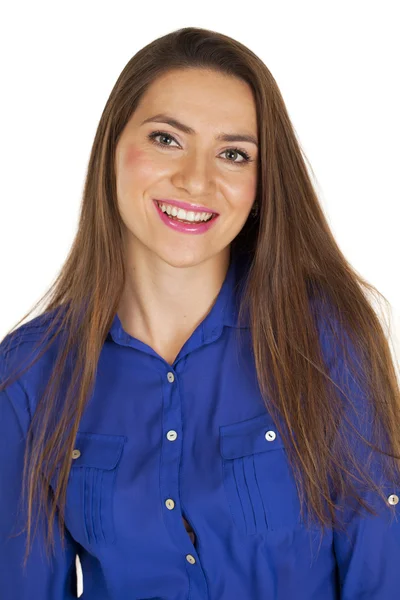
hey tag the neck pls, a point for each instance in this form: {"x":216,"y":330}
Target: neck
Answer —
{"x":162,"y":305}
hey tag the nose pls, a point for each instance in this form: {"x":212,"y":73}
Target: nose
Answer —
{"x":195,"y":173}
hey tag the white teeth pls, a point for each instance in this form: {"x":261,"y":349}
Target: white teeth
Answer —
{"x":183,"y":214}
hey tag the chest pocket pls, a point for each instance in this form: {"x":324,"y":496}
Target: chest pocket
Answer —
{"x":89,"y":512}
{"x":258,"y":480}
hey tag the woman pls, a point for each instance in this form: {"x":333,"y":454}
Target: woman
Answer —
{"x":208,"y":393}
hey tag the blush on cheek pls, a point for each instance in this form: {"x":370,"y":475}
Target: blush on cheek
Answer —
{"x":138,"y":161}
{"x":133,"y":155}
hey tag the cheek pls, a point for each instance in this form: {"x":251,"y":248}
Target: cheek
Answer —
{"x":136,"y":174}
{"x":243,"y":192}
{"x":137,"y":168}
{"x":137,"y":164}
{"x":132,"y":156}
{"x":251,"y":189}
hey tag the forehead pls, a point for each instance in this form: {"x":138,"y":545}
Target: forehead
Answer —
{"x":201,"y":97}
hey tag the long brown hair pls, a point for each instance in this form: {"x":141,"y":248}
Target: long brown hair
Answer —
{"x":293,"y":258}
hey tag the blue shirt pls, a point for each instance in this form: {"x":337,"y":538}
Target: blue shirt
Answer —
{"x":158,"y":442}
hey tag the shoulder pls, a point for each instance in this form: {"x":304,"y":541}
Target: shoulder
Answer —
{"x":33,"y":330}
{"x":16,"y":345}
{"x":26,"y":358}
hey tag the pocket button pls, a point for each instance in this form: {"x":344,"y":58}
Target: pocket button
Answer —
{"x":270,"y":436}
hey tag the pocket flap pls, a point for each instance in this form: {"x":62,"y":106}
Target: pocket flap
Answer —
{"x":248,"y":437}
{"x":98,"y":450}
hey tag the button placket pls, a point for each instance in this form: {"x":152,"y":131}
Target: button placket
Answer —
{"x":172,"y":436}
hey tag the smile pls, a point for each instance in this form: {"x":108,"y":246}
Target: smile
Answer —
{"x":185,"y":221}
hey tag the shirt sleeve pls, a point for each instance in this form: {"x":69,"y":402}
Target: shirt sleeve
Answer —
{"x":368,"y":550}
{"x":44,"y":578}
{"x":368,"y":557}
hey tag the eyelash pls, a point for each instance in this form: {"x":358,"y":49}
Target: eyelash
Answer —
{"x":155,"y":134}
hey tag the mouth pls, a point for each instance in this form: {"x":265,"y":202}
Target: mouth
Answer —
{"x":190,"y":215}
{"x":185,"y":221}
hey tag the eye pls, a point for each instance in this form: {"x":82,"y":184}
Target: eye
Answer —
{"x":163,"y":134}
{"x":242,"y":153}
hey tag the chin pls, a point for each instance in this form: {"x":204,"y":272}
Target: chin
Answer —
{"x":180,"y":259}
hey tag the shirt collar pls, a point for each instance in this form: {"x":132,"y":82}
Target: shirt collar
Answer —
{"x":223,"y":313}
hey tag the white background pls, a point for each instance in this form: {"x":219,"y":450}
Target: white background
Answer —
{"x":337,"y":66}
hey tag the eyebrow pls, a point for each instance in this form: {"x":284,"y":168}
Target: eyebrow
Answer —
{"x":224,"y":137}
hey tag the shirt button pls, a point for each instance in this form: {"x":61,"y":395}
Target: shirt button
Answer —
{"x":270,"y":436}
{"x":172,"y":435}
{"x":393,"y":499}
{"x":170,"y":377}
{"x":170,"y":504}
{"x":190,"y":559}
{"x":76,"y":453}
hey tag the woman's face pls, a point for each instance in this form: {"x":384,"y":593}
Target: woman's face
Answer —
{"x":193,"y":167}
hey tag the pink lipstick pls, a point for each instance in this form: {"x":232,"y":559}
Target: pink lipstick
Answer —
{"x":185,"y":205}
{"x":184,"y":226}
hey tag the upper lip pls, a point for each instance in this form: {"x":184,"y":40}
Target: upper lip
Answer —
{"x":186,"y":205}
